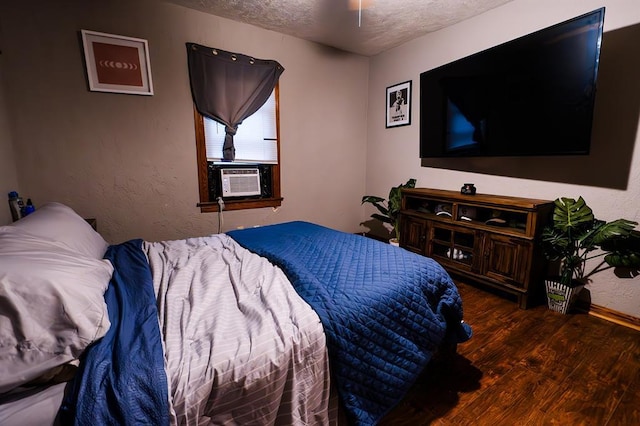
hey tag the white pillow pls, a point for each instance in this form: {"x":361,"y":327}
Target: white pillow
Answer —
{"x":57,"y":222}
{"x":51,"y":306}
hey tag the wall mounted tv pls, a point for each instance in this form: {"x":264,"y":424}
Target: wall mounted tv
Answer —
{"x":531,"y":96}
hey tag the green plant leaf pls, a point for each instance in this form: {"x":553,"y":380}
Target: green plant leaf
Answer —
{"x":555,"y":244}
{"x":372,"y":199}
{"x":570,"y":214}
{"x":608,"y":231}
{"x":377,"y":203}
{"x":624,"y":251}
{"x":575,"y":232}
{"x":381,"y":218}
{"x":395,"y":198}
{"x":623,"y":260}
{"x":389,"y":213}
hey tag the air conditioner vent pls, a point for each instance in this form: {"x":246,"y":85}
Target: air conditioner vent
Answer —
{"x":240,"y":182}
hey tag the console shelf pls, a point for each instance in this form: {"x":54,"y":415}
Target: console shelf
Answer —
{"x":488,"y":238}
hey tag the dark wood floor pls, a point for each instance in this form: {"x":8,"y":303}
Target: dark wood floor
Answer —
{"x":530,"y":367}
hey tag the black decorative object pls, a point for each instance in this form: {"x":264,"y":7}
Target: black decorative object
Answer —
{"x":468,"y":189}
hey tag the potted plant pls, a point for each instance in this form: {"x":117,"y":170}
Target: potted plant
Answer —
{"x":575,"y":236}
{"x":388,"y":209}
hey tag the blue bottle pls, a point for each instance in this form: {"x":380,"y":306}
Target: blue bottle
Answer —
{"x":29,"y":208}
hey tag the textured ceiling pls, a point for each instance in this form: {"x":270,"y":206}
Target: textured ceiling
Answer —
{"x":378,"y":26}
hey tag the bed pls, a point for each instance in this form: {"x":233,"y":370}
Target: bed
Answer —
{"x":291,"y":324}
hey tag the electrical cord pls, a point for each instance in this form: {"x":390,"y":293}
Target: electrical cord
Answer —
{"x":220,"y":209}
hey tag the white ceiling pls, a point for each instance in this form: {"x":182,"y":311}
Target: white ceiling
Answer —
{"x":378,"y":26}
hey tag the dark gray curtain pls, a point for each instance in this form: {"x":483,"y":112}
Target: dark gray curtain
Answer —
{"x":228,"y":87}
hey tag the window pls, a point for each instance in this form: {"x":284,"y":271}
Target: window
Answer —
{"x":256,"y":140}
{"x":257,"y":144}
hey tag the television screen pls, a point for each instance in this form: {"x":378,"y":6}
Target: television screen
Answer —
{"x":531,"y":96}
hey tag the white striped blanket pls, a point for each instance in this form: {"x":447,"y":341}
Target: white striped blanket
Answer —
{"x":241,"y":347}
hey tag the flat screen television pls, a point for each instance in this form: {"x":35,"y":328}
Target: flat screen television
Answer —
{"x":533,"y":95}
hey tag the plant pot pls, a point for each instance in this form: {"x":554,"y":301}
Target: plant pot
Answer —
{"x":561,"y":297}
{"x":394,"y":242}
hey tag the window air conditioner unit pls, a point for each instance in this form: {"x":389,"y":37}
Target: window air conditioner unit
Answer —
{"x":240,"y":182}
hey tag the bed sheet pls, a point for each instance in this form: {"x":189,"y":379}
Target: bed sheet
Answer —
{"x":241,"y":347}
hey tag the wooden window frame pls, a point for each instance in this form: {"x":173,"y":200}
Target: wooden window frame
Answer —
{"x":206,"y":205}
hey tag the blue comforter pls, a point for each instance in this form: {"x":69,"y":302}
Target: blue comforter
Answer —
{"x":385,"y":310}
{"x":121,"y":379}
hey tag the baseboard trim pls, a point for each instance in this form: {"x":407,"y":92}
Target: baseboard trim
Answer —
{"x":610,"y":315}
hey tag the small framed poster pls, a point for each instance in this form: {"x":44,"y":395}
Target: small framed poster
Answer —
{"x":117,"y":64}
{"x":399,"y":104}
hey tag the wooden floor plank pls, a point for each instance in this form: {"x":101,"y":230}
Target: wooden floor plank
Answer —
{"x":588,"y":402}
{"x":628,"y":411}
{"x":530,"y":367}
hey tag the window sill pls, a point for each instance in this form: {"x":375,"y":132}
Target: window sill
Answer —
{"x":241,"y":204}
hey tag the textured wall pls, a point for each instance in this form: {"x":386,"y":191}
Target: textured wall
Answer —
{"x":129,"y":160}
{"x":8,"y":169}
{"x":393,"y":154}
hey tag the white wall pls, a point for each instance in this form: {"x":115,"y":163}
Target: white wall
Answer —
{"x":8,"y":169}
{"x":393,"y":156}
{"x":130,"y":160}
